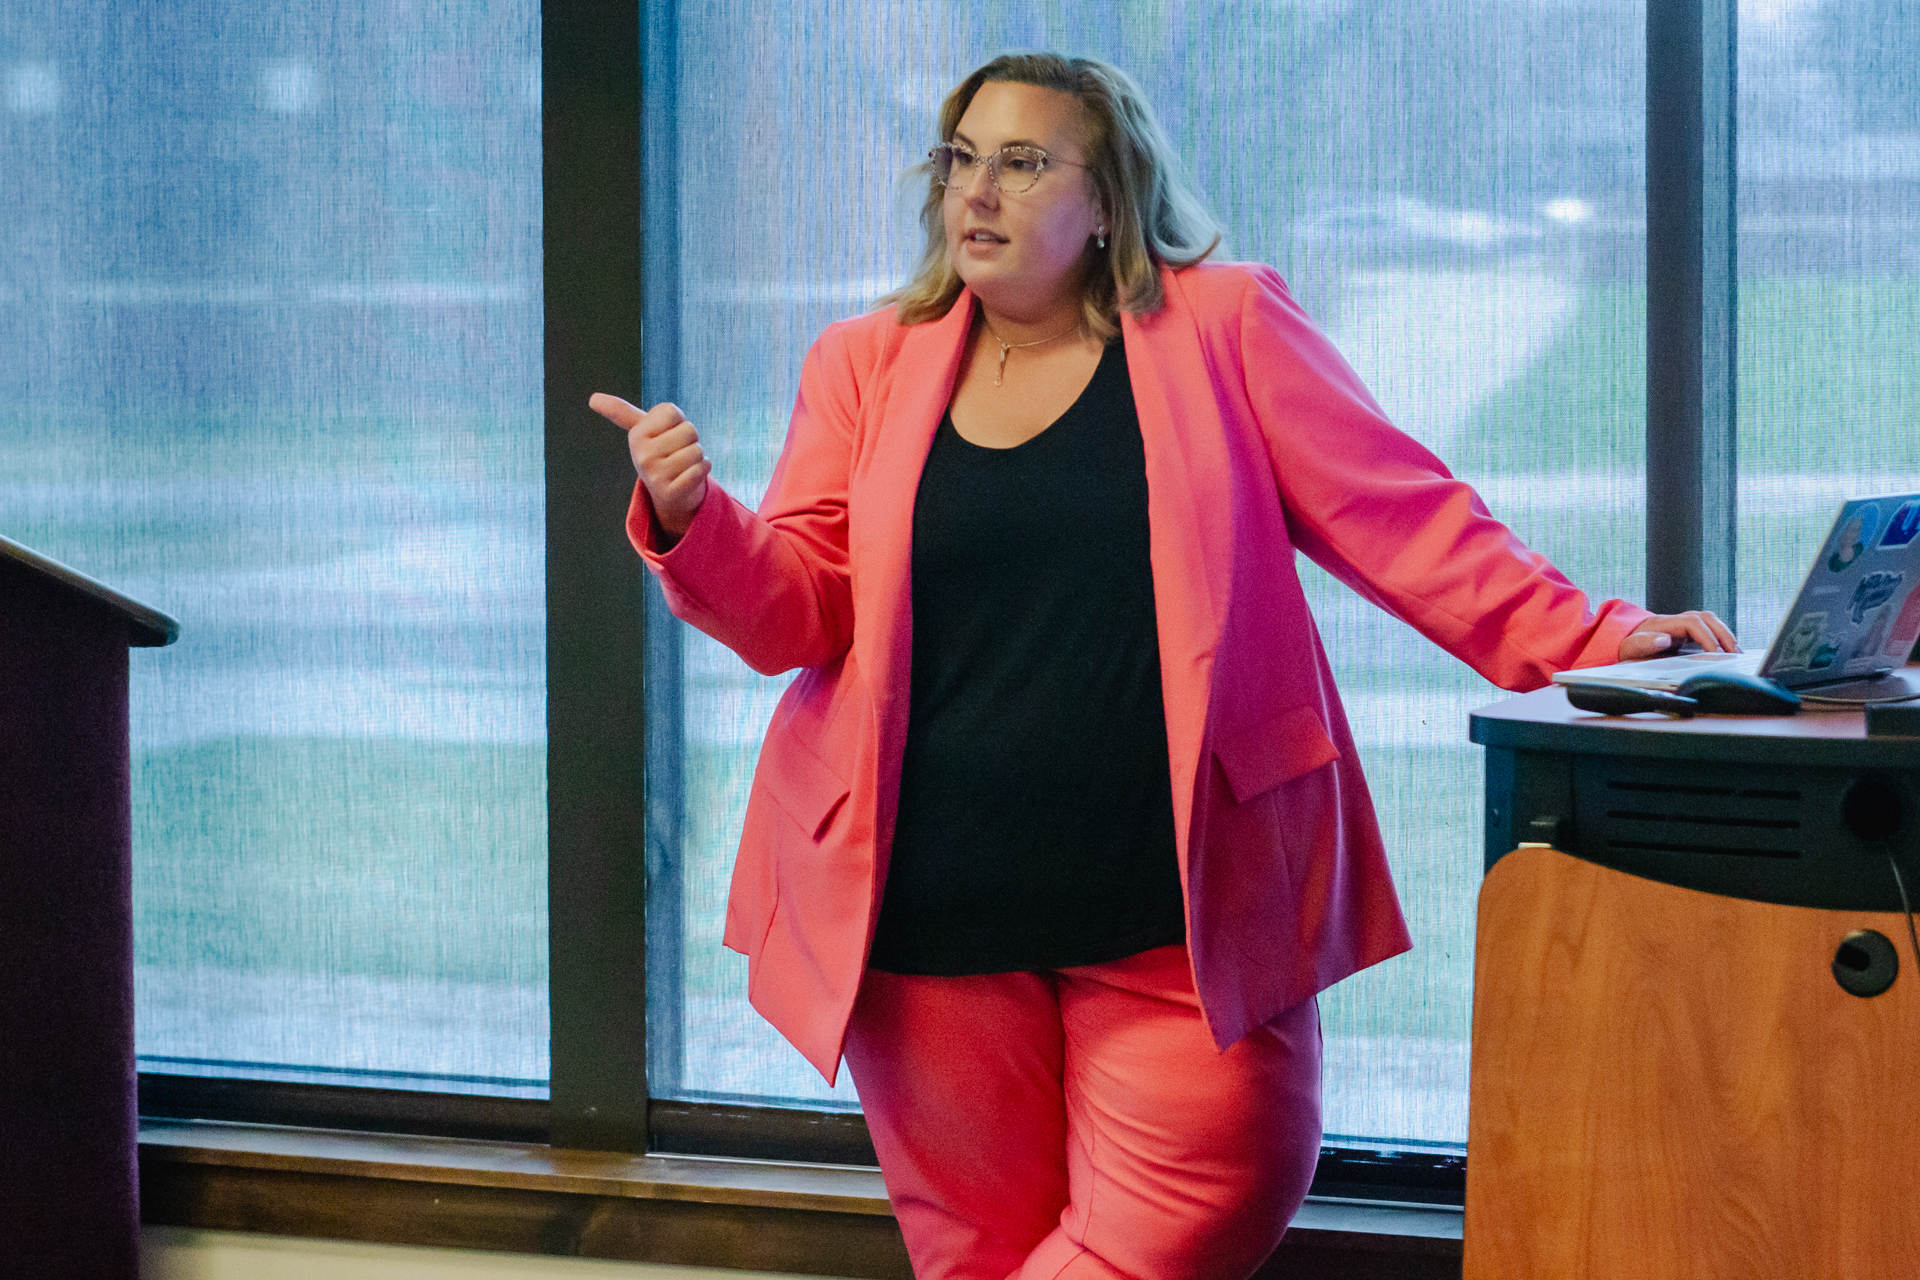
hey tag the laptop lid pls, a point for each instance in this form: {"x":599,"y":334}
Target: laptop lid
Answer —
{"x":1858,"y":611}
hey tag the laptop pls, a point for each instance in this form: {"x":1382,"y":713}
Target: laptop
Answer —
{"x":1855,"y":620}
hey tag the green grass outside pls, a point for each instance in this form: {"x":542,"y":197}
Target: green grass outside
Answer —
{"x":717,"y":783}
{"x":1820,"y":355}
{"x":1814,"y":352}
{"x":1581,"y":407}
{"x":375,"y":857}
{"x":1430,"y":802}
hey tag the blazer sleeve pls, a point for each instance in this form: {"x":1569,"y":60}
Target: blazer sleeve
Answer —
{"x":773,"y":585}
{"x":1380,"y":512}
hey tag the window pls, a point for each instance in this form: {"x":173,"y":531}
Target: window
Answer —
{"x":1829,"y":279}
{"x":271,"y":359}
{"x":272,"y":311}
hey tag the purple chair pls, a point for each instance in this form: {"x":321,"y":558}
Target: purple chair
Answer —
{"x":69,"y":1191}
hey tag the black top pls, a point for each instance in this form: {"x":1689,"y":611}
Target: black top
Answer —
{"x":1036,"y":814}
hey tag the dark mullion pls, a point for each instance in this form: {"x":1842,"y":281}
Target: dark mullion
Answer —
{"x":751,"y":1131}
{"x":590,"y":59}
{"x":335,"y":1106}
{"x":659,"y":380}
{"x":1691,"y":291}
{"x":754,"y":1132}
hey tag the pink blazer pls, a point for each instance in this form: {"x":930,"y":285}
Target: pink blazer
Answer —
{"x":1259,"y":441}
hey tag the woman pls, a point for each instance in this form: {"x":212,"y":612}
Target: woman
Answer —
{"x":1060,"y":829}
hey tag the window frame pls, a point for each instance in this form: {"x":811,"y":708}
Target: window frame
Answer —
{"x":610,"y":219}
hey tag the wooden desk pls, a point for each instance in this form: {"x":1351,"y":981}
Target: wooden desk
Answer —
{"x":1668,"y":1079}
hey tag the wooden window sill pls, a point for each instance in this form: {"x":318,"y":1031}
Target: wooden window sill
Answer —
{"x":686,"y":1210}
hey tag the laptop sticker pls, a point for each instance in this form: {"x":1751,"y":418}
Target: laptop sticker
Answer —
{"x":1903,"y":528}
{"x":1906,"y":629}
{"x":1798,"y":649}
{"x":1873,"y":591}
{"x":1855,"y":537}
{"x":1868,"y":645}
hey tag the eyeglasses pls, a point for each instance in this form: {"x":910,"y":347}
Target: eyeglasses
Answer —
{"x":1012,"y":169}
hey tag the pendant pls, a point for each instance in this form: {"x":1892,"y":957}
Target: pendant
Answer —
{"x":1002,"y":371}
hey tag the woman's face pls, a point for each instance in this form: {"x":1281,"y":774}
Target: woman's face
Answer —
{"x":1023,"y":254}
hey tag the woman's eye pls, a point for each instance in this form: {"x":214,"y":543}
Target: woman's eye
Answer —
{"x":1014,"y":162}
{"x":961,"y":161}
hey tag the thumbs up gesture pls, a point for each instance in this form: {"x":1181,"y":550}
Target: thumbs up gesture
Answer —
{"x":666,"y":454}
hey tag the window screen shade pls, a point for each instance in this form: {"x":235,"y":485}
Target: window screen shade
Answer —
{"x":1453,"y":189}
{"x":270,"y":354}
{"x":1829,"y":279}
{"x":270,"y":360}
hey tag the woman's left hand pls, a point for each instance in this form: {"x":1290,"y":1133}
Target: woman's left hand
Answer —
{"x":1666,"y":632}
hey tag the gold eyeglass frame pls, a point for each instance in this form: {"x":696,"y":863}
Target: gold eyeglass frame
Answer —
{"x":994,"y":164}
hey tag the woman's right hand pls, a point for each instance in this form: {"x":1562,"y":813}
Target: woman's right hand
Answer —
{"x":666,"y":454}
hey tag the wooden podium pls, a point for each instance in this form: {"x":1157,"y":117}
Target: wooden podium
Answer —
{"x":1669,"y":1078}
{"x":69,"y":1202}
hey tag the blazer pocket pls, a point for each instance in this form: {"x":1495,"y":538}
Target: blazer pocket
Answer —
{"x":1259,"y":757}
{"x":801,"y":783}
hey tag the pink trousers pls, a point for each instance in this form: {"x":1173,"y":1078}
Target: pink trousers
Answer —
{"x":1080,"y":1122}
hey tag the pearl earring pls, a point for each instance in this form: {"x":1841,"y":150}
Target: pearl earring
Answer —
{"x":1100,"y":237}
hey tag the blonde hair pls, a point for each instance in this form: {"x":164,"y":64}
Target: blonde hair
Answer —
{"x":1154,"y":217}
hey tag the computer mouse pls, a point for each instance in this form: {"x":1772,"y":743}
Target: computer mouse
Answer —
{"x":1615,"y":700}
{"x":1721,"y":692}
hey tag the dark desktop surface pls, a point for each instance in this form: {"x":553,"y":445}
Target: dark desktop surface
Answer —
{"x":1803,"y":810}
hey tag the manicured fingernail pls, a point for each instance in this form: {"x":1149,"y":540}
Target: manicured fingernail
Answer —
{"x":1662,"y":641}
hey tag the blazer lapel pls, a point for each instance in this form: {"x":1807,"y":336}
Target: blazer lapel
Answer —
{"x":1189,"y":509}
{"x":896,"y":436}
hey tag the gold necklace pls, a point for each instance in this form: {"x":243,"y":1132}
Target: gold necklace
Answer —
{"x":1015,"y":346}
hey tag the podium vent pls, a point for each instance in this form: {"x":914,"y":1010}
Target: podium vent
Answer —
{"x":1654,"y":815}
{"x":1767,"y":831}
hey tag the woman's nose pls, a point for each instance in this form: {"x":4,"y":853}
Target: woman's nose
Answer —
{"x":980,"y":186}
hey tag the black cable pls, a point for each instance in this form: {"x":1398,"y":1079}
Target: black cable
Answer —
{"x":1912,"y":936}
